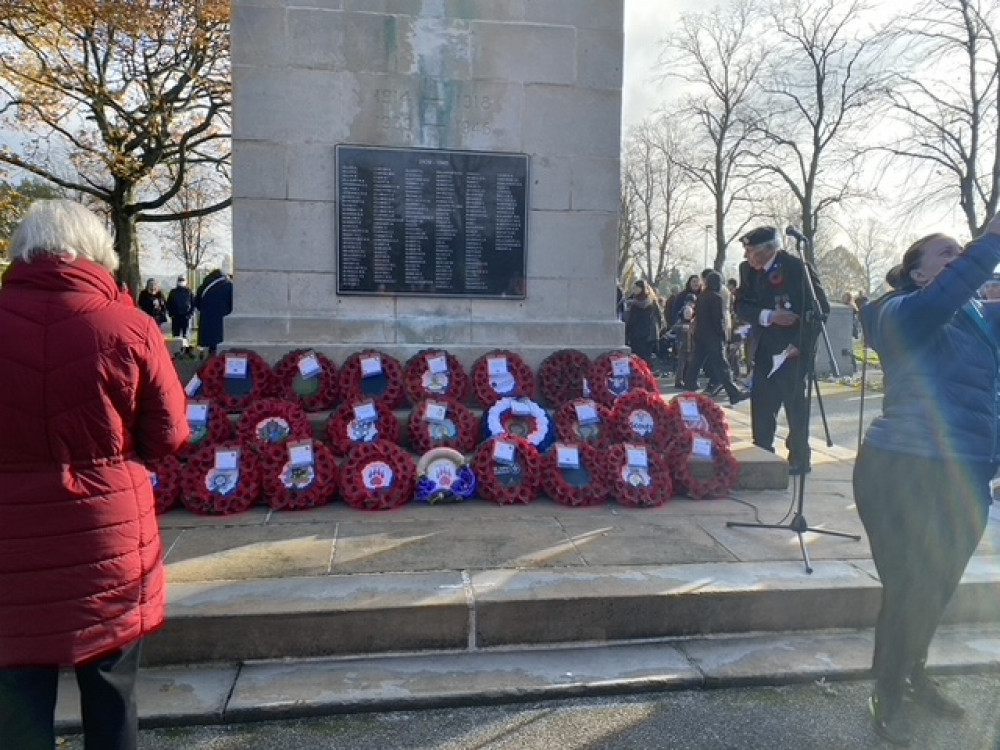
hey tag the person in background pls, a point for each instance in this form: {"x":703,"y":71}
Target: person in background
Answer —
{"x":214,"y":301}
{"x":152,"y":302}
{"x":683,"y":316}
{"x":990,"y":291}
{"x":709,"y":337}
{"x":922,"y":475}
{"x":848,"y":300}
{"x":642,"y":321}
{"x":180,"y":308}
{"x":87,"y":393}
{"x":735,"y":347}
{"x":774,"y":297}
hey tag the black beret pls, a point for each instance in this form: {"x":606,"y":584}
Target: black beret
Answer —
{"x":759,"y":236}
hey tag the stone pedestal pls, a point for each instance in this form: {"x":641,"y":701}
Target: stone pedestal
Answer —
{"x":542,"y":79}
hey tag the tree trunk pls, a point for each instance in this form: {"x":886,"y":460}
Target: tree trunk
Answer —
{"x":125,"y":246}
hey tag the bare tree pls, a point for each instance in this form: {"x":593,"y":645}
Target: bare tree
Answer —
{"x":193,"y":238}
{"x":820,"y":82}
{"x":107,"y":95}
{"x":658,"y":196}
{"x":719,"y":56}
{"x":871,"y":242}
{"x":841,"y":272}
{"x":945,"y":102}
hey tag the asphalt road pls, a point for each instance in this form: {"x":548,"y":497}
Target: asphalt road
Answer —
{"x":814,"y":716}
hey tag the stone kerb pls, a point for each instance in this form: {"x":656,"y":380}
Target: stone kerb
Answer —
{"x":499,"y":76}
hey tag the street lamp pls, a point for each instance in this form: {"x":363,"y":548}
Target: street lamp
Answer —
{"x":708,"y":234}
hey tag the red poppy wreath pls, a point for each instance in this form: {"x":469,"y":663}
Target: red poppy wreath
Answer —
{"x":563,"y":375}
{"x":299,"y":474}
{"x":644,"y":417}
{"x":358,"y":422}
{"x":700,"y":413}
{"x":375,"y":375}
{"x":584,"y":420}
{"x":308,"y":378}
{"x":614,"y":374}
{"x":221,"y":479}
{"x":235,"y":378}
{"x":633,"y":484}
{"x":208,"y":424}
{"x":572,"y":475}
{"x":434,"y":373}
{"x":501,"y":373}
{"x":508,"y":470}
{"x":378,"y":476}
{"x":165,"y":474}
{"x":691,"y":447}
{"x":442,"y":423}
{"x":271,"y":421}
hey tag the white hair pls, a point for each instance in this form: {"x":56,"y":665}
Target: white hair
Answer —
{"x":65,"y":229}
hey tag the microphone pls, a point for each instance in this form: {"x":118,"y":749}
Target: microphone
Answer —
{"x":793,"y":232}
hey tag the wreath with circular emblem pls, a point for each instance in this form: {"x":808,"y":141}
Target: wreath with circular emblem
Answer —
{"x":297,"y":485}
{"x":563,"y":376}
{"x":308,"y":378}
{"x":726,"y":468}
{"x":644,"y":417}
{"x":569,"y":428}
{"x":209,"y":490}
{"x":503,"y":482}
{"x":516,"y":380}
{"x":235,"y":392}
{"x":574,"y":486}
{"x":344,"y":430}
{"x":711,"y":417}
{"x":457,"y":428}
{"x":165,"y":475}
{"x":273,"y":421}
{"x":421,"y":382}
{"x":378,"y":476}
{"x":519,"y":417}
{"x":634,"y":486}
{"x":217,"y":428}
{"x":607,"y":387}
{"x":444,"y":476}
{"x":375,"y":375}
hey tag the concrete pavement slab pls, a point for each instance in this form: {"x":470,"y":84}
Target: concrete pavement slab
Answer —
{"x":270,"y":690}
{"x":245,"y":552}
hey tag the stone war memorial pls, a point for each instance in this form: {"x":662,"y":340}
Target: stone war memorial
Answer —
{"x":426,"y":173}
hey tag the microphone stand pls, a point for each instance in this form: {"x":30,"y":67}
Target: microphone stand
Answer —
{"x":813,"y":318}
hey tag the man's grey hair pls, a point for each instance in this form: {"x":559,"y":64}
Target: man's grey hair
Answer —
{"x":66,"y":229}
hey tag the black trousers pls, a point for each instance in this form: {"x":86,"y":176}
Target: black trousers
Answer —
{"x":179,"y":326}
{"x":787,"y":387}
{"x":710,"y":355}
{"x":924,"y":518}
{"x":107,"y":703}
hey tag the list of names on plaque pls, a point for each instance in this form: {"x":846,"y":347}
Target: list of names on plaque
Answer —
{"x":416,"y":221}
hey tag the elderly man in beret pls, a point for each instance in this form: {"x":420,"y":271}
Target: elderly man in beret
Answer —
{"x":773,"y":296}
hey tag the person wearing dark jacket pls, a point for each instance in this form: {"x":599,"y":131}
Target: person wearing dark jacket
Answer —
{"x":152,"y":302}
{"x":87,"y":394}
{"x":214,"y":302}
{"x":642,"y":321}
{"x":922,"y":475}
{"x":709,"y":338}
{"x":180,"y":308}
{"x":774,"y":297}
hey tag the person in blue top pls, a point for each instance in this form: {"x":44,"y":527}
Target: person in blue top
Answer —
{"x":922,"y":476}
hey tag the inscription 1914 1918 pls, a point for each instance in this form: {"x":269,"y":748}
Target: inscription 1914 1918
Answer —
{"x":429,"y":222}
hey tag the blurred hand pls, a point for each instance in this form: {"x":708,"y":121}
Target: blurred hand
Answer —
{"x":784,"y":318}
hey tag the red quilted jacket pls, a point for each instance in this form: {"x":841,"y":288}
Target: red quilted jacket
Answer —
{"x":87,"y":390}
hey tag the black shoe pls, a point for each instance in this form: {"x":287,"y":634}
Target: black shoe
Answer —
{"x":928,"y":694}
{"x":713,"y":389}
{"x":891,"y":726}
{"x":738,"y":397}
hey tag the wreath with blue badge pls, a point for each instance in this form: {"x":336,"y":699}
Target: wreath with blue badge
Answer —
{"x":444,"y":476}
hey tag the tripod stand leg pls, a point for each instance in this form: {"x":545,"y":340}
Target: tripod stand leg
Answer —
{"x":805,"y":553}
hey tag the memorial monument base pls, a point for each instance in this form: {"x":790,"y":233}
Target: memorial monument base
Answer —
{"x":467,"y":339}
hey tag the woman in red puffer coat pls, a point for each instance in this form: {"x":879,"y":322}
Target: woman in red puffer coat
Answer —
{"x":87,"y":393}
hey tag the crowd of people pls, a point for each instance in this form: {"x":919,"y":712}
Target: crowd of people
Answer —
{"x":212,"y":302}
